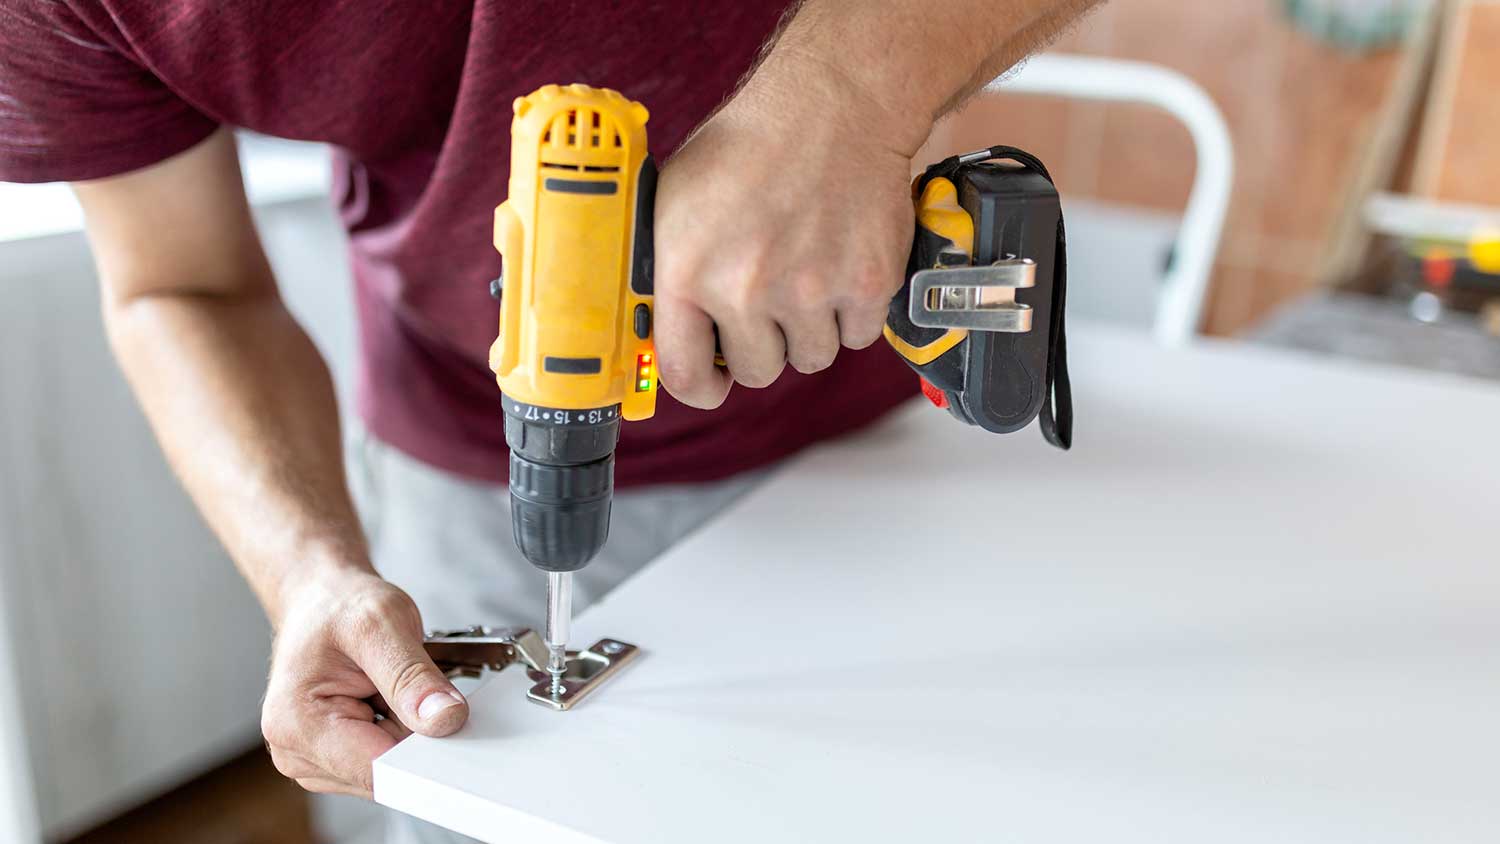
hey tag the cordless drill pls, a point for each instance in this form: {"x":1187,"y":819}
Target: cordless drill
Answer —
{"x":574,"y":356}
{"x":980,"y":319}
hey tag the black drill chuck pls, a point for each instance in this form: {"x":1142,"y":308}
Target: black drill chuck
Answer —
{"x":562,"y":479}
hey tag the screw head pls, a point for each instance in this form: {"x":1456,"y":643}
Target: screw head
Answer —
{"x":611,"y":648}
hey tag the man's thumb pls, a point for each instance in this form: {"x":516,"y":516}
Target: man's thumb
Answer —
{"x":418,"y":693}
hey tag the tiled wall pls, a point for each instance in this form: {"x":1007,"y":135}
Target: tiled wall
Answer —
{"x":1460,"y":155}
{"x":1301,"y":114}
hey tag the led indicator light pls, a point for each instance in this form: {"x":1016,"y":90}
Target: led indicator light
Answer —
{"x":643,"y":372}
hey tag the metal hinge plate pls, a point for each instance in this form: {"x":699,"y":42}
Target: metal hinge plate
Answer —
{"x":476,"y":650}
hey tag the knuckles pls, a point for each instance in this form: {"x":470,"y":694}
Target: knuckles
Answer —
{"x":874,"y":283}
{"x":748,"y":289}
{"x":374,"y":613}
{"x":811,"y":293}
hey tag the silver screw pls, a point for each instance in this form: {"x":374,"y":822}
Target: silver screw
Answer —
{"x":612,"y":648}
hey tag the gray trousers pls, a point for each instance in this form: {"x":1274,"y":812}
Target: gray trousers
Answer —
{"x":446,"y":540}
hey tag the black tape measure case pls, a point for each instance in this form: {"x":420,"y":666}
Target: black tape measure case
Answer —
{"x":999,"y":376}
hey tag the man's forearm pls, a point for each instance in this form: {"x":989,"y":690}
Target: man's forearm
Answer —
{"x":915,"y":62}
{"x":244,"y":408}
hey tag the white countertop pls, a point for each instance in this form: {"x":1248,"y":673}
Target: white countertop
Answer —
{"x":1259,"y":601}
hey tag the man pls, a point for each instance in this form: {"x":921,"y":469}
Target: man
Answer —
{"x":783,"y":218}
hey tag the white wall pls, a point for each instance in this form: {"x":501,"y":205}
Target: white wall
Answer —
{"x":139,"y":652}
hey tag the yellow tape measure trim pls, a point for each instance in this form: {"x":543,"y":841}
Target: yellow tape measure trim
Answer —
{"x":924,"y":355}
{"x":938,"y":211}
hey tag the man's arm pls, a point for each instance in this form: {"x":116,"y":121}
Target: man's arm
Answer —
{"x":922,"y":59}
{"x":786,"y":219}
{"x":244,"y":408}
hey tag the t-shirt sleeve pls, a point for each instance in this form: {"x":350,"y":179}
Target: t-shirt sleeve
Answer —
{"x":74,"y":105}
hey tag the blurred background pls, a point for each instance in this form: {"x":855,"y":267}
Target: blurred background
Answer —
{"x":1365,"y":170}
{"x":1314,"y":174}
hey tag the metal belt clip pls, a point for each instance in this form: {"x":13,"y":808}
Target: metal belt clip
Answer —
{"x":472,"y":652}
{"x":977,"y":298}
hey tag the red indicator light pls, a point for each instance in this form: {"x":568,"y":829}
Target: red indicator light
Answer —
{"x":645,"y":358}
{"x":933,"y":394}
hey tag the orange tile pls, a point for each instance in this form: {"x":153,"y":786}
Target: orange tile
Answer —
{"x":1243,"y":295}
{"x":1470,"y":165}
{"x":1324,"y":130}
{"x":1147,"y":159}
{"x":1298,"y":112}
{"x":1228,"y":304}
{"x":1035,"y":124}
{"x":1271,"y":290}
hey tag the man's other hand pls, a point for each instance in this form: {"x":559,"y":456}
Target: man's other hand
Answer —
{"x":349,"y":679}
{"x":785,"y":221}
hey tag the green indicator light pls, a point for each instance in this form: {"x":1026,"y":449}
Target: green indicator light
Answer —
{"x":643,"y":386}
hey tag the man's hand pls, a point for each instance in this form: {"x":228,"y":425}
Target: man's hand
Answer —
{"x":349,"y":679}
{"x":786,"y":219}
{"x":786,"y":222}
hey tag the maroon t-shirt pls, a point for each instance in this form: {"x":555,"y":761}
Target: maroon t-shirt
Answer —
{"x":415,"y":99}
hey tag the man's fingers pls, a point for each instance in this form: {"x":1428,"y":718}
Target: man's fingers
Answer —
{"x":386,"y":718}
{"x":755,"y":350}
{"x":293,"y":765}
{"x":346,"y":746}
{"x":378,"y":705}
{"x":396,"y":730}
{"x":812,"y":341}
{"x":323,"y":785}
{"x":386,"y":643}
{"x":685,"y":354}
{"x":861,"y":326}
{"x":312,"y":777}
{"x":328,"y":745}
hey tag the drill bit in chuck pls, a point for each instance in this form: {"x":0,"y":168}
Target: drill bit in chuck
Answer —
{"x":559,"y":615}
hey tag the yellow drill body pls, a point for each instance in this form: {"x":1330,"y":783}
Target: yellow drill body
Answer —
{"x":567,"y":233}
